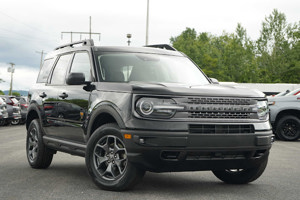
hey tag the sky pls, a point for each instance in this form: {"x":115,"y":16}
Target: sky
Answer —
{"x":28,"y":27}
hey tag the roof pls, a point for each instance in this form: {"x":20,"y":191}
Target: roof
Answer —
{"x":89,"y":44}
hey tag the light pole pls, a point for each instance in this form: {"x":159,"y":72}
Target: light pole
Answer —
{"x":147,"y":22}
{"x":11,"y":69}
{"x":129,"y":36}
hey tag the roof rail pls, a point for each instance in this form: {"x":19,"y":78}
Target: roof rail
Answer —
{"x":162,"y":46}
{"x":88,"y":42}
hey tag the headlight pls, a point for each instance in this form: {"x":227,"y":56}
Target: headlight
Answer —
{"x":262,"y":110}
{"x":157,"y":108}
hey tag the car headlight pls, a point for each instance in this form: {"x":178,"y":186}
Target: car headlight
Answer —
{"x":157,"y":108}
{"x":262,"y":110}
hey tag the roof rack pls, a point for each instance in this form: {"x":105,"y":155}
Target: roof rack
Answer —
{"x":88,"y":42}
{"x":162,"y":46}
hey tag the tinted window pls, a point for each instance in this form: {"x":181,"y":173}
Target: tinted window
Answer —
{"x":81,"y":63}
{"x":45,"y":71}
{"x":60,"y":70}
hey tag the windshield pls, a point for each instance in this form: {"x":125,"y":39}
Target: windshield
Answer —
{"x":127,"y":67}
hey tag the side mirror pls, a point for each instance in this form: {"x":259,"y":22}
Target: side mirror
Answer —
{"x":214,"y":81}
{"x":76,"y":79}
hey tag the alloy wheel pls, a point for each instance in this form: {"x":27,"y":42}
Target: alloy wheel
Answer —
{"x":110,"y":157}
{"x":32,"y":144}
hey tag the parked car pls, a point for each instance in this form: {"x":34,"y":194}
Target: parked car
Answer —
{"x":293,"y":92}
{"x":3,"y":112}
{"x":128,"y":110}
{"x":13,"y":109}
{"x":285,"y":116}
{"x":24,"y":107}
{"x":281,"y":93}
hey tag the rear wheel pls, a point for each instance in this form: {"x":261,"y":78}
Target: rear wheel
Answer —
{"x":38,"y":155}
{"x":107,"y":161}
{"x":288,"y":128}
{"x":15,"y":122}
{"x":241,"y":176}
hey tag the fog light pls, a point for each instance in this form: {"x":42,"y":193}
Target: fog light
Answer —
{"x":142,"y":141}
{"x":272,"y":139}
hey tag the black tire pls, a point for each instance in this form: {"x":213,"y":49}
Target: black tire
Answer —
{"x":107,"y":162}
{"x":2,"y":122}
{"x":241,"y":176}
{"x":15,"y":122}
{"x":38,"y":155}
{"x":288,"y":128}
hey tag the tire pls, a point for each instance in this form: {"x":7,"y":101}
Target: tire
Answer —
{"x":241,"y":176}
{"x":15,"y":122}
{"x":288,"y":128}
{"x":38,"y":155}
{"x":107,"y":162}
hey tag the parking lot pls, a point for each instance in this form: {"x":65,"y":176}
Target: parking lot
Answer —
{"x":67,"y":177}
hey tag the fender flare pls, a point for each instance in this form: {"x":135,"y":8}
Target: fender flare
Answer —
{"x":106,"y":108}
{"x":34,"y":107}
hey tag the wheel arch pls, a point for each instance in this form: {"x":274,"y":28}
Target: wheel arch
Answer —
{"x":283,"y":113}
{"x":103,"y":114}
{"x":33,"y":113}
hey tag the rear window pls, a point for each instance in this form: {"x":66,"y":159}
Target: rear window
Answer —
{"x":45,"y":71}
{"x":15,"y":101}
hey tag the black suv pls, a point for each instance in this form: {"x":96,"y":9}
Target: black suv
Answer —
{"x":129,"y":110}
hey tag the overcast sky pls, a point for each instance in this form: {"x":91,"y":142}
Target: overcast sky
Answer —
{"x":30,"y":26}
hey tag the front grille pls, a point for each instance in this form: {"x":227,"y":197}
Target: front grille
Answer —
{"x":221,"y":115}
{"x":220,"y":129}
{"x":219,"y":108}
{"x":217,"y":155}
{"x":222,"y":101}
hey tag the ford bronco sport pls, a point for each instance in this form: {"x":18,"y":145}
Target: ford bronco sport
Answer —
{"x":128,"y":110}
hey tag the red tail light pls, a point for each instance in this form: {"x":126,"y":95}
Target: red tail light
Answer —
{"x":48,"y":107}
{"x":24,"y":105}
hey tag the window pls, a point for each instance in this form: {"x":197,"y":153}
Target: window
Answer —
{"x":155,"y":68}
{"x":59,"y":73}
{"x":81,"y":63}
{"x":45,"y":71}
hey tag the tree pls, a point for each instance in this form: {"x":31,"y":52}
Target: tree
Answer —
{"x":274,"y":47}
{"x":1,"y":92}
{"x":274,"y":57}
{"x":229,"y":57}
{"x":17,"y":94}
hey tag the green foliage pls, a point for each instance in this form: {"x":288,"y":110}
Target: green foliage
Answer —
{"x":1,"y":92}
{"x":274,"y":57}
{"x":17,"y":94}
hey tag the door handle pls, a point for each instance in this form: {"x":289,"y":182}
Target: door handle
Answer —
{"x":43,"y":95}
{"x":63,"y":95}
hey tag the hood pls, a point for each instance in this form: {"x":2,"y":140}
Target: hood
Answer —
{"x":210,"y":90}
{"x":290,"y":98}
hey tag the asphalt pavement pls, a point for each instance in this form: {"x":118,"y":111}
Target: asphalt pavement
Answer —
{"x":67,"y":178}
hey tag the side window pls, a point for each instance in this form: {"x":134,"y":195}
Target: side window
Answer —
{"x":60,"y":70}
{"x":45,"y":70}
{"x":81,"y":63}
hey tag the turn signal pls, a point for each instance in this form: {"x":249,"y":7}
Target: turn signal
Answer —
{"x":127,"y":136}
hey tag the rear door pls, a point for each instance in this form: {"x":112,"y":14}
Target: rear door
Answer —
{"x":49,"y":95}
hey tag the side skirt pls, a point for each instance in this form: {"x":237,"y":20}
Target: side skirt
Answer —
{"x":70,"y":147}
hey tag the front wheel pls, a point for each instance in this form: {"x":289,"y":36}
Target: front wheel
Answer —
{"x":288,"y":128}
{"x":241,"y":176}
{"x":107,"y":161}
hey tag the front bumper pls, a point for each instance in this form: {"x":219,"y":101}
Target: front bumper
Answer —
{"x":162,"y":151}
